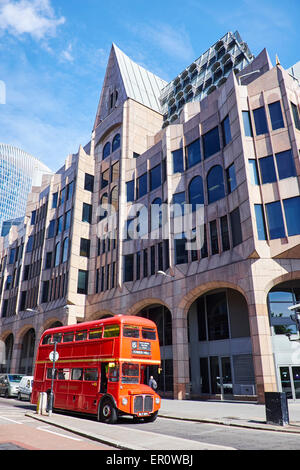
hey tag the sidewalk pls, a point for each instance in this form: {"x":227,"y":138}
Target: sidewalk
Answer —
{"x":246,"y":415}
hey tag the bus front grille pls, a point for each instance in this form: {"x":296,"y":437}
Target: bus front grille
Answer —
{"x":143,"y":403}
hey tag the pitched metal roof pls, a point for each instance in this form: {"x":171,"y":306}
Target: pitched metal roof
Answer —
{"x":140,"y":84}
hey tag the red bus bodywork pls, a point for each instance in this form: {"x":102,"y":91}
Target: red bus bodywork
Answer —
{"x":101,"y":367}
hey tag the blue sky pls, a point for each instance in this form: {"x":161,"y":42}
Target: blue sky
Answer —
{"x":53,"y":55}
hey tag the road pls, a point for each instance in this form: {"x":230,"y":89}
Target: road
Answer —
{"x":19,"y":432}
{"x":16,"y":429}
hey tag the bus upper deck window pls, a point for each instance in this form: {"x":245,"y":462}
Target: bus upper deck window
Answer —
{"x":81,"y":335}
{"x":57,"y":338}
{"x":111,"y":331}
{"x":148,"y":333}
{"x":46,"y":339}
{"x":95,"y":334}
{"x":68,"y":337}
{"x":131,"y":331}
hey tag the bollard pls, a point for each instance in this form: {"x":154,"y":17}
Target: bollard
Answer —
{"x":42,"y":404}
{"x":277,"y":408}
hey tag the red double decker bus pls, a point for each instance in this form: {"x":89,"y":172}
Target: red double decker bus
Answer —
{"x":101,"y":368}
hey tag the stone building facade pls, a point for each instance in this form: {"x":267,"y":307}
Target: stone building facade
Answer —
{"x":221,"y":305}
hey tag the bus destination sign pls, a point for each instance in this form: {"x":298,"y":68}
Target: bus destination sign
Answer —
{"x":141,"y":348}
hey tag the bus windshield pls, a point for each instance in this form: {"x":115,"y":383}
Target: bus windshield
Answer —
{"x":130,"y":373}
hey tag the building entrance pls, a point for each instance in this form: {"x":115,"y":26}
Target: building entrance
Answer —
{"x":290,"y":381}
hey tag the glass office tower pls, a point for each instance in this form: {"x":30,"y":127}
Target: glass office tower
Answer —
{"x":19,"y":171}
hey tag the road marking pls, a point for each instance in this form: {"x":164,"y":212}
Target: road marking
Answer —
{"x":42,"y":428}
{"x":16,"y":422}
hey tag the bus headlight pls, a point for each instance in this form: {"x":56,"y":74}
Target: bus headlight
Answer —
{"x":157,"y":400}
{"x":124,"y":401}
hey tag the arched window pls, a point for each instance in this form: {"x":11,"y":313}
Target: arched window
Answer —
{"x":114,"y":198}
{"x":65,"y":250}
{"x":27,"y":353}
{"x":106,"y":150}
{"x":103,"y":206}
{"x":57,"y":254}
{"x":156,"y":214}
{"x":215,"y":184}
{"x":196,"y":195}
{"x":116,"y":142}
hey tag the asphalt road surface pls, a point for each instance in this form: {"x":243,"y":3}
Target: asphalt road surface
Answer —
{"x":20,"y":431}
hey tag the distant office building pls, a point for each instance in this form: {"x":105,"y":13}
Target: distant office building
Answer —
{"x":7,"y":224}
{"x":19,"y":171}
{"x":223,"y":135}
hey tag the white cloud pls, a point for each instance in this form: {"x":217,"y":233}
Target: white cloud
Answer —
{"x":33,"y":17}
{"x":175,"y":42}
{"x":66,"y":55}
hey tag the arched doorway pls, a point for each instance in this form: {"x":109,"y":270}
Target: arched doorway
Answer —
{"x":161,"y":316}
{"x":6,"y":353}
{"x":286,"y":350}
{"x":220,"y":349}
{"x":27,"y":353}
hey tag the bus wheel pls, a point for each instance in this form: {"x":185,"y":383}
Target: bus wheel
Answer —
{"x":151,"y":418}
{"x":108,"y":413}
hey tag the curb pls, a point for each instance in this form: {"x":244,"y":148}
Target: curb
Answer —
{"x":258,"y":426}
{"x":81,"y":433}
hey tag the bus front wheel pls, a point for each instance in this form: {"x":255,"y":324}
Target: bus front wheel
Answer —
{"x":151,"y":418}
{"x":107,"y":412}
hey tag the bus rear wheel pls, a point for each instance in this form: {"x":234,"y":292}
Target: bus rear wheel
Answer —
{"x":107,"y":412}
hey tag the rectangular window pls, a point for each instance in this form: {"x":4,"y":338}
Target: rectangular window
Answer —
{"x":142,"y":186}
{"x":275,"y":220}
{"x":296,"y":116}
{"x":33,"y":217}
{"x":48,"y":260}
{"x":70,"y":188}
{"x":130,"y":191}
{"x":177,"y":157}
{"x":260,"y":222}
{"x":111,"y":331}
{"x":12,"y":256}
{"x":292,"y":215}
{"x":247,"y":124}
{"x":193,"y":153}
{"x":86,"y":213}
{"x":214,"y":237}
{"x":113,"y":275}
{"x":253,"y":172}
{"x":236,"y":229}
{"x":181,"y":254}
{"x":54,"y":200}
{"x":204,"y":251}
{"x":82,"y":283}
{"x":104,"y":178}
{"x":67,"y":220}
{"x":145,"y":256}
{"x":62,"y":196}
{"x":115,"y":169}
{"x":226,"y":132}
{"x":59,"y":225}
{"x":260,"y":120}
{"x":85,"y":245}
{"x":77,"y":374}
{"x":225,"y":233}
{"x":276,"y":115}
{"x":88,"y":182}
{"x":152,"y":259}
{"x":51,"y":228}
{"x":178,"y":203}
{"x":211,"y":142}
{"x":29,"y":245}
{"x":128,"y":268}
{"x":45,"y":291}
{"x":267,"y":169}
{"x":217,"y":317}
{"x":155,"y":177}
{"x":231,"y":179}
{"x":285,"y":164}
{"x":138,"y":265}
{"x":160,"y":256}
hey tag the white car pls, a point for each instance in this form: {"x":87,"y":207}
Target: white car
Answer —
{"x":25,"y":387}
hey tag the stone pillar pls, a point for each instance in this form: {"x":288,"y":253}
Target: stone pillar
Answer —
{"x":264,"y":369}
{"x":180,"y":355}
{"x":15,"y":359}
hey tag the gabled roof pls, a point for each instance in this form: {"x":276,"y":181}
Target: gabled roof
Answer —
{"x":131,"y":80}
{"x":140,"y":84}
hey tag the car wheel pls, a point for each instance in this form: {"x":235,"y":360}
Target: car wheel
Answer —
{"x":6,"y":394}
{"x":107,"y":412}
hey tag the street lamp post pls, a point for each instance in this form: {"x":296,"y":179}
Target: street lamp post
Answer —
{"x":54,"y":356}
